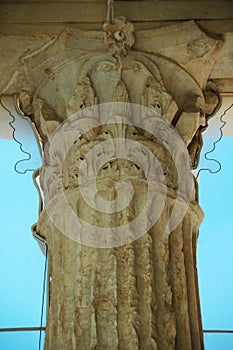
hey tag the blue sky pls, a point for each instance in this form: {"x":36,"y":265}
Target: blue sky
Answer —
{"x":215,"y":258}
{"x":22,"y":263}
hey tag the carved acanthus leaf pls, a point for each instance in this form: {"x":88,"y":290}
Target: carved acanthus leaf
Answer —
{"x":121,"y":94}
{"x":158,"y":99}
{"x":83,"y":97}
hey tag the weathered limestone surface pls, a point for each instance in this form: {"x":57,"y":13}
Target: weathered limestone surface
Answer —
{"x":143,"y":294}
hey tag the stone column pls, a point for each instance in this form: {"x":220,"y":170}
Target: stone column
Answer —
{"x":141,"y":293}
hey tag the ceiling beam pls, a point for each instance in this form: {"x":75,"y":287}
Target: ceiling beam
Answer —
{"x":79,"y":12}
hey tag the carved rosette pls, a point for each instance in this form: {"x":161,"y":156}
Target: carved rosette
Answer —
{"x":119,"y":37}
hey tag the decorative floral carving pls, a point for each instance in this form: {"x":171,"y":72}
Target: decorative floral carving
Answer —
{"x":119,"y":37}
{"x":83,"y":97}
